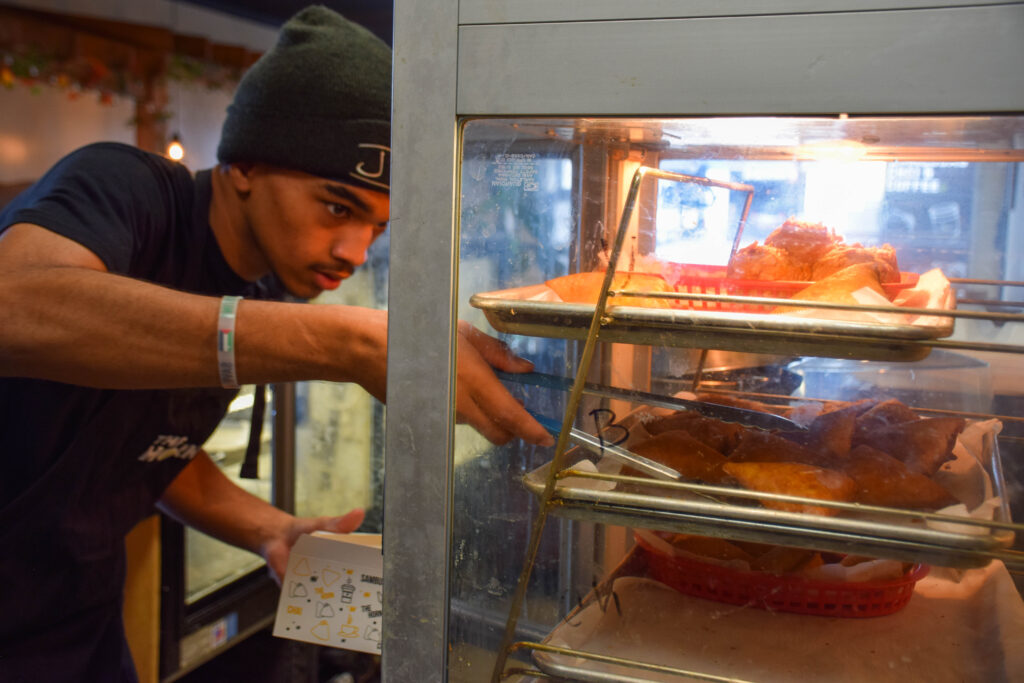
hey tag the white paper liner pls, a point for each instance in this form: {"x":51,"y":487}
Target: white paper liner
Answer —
{"x":605,"y":466}
{"x":933,"y":290}
{"x":949,"y":632}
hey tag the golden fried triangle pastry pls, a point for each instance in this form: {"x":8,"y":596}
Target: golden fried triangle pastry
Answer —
{"x":585,"y":288}
{"x":746,"y":404}
{"x":833,"y":432}
{"x":882,"y":415}
{"x":794,"y":479}
{"x":693,"y":459}
{"x":839,"y":287}
{"x":922,"y":445}
{"x":757,"y":445}
{"x":884,"y":480}
{"x":719,"y":435}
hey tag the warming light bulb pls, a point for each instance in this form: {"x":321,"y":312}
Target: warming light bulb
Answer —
{"x":175,"y":150}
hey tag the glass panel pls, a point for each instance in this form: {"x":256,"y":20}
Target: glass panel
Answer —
{"x":543,"y":198}
{"x":339,"y":427}
{"x":211,"y":564}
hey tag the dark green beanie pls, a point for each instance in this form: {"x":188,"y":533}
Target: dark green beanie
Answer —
{"x":319,"y":101}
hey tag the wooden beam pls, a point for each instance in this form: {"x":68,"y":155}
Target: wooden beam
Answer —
{"x":56,"y":33}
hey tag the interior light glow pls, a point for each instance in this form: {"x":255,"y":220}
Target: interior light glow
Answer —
{"x":175,"y":150}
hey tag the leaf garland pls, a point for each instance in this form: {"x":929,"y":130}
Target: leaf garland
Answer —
{"x":34,"y":69}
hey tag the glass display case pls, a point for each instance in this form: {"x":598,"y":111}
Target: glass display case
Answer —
{"x":676,"y":205}
{"x":735,"y":493}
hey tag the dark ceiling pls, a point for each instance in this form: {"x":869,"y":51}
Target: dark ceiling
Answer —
{"x":373,"y":14}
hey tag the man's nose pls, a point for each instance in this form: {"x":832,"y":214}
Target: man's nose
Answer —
{"x":352,"y":244}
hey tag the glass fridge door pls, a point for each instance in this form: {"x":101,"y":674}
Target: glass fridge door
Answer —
{"x":211,"y":564}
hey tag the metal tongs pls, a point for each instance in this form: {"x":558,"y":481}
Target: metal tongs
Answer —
{"x":743,"y":416}
{"x":598,"y":446}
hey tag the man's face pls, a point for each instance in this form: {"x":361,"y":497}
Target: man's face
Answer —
{"x":312,"y":232}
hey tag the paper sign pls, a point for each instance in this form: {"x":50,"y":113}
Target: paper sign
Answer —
{"x":331,"y":593}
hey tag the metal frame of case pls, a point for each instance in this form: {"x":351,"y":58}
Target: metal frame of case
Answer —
{"x":647,"y":59}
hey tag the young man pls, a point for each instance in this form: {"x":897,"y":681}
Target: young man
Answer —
{"x":119,"y":278}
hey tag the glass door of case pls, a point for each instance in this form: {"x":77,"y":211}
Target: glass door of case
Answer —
{"x":536,"y":549}
{"x":523,"y":218}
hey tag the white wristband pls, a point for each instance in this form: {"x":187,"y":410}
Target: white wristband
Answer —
{"x":226,"y":341}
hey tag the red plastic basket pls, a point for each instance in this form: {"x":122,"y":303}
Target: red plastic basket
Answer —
{"x":689,"y":278}
{"x":780,"y":593}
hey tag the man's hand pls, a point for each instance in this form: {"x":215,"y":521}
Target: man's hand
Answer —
{"x":275,"y":550}
{"x":482,"y":401}
{"x":204,"y":498}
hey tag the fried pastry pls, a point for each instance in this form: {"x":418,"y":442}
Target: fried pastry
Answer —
{"x":840,"y":256}
{"x":707,"y":546}
{"x":804,"y":241}
{"x":882,"y":415}
{"x":757,"y":445}
{"x":585,"y":288}
{"x":666,"y":423}
{"x":746,"y":404}
{"x":718,"y":434}
{"x":782,"y":559}
{"x":884,"y":480}
{"x":857,"y":407}
{"x":795,"y":479}
{"x":833,"y":432}
{"x":762,"y":262}
{"x":840,"y":286}
{"x":922,"y":445}
{"x":806,"y":251}
{"x":693,"y":459}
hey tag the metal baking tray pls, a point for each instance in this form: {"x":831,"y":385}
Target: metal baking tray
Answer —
{"x":734,"y":514}
{"x":646,"y":635}
{"x":511,"y":312}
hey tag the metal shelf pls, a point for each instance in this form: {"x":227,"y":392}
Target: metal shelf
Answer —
{"x":891,"y":537}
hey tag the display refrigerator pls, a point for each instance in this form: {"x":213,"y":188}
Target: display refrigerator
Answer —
{"x":764,"y":259}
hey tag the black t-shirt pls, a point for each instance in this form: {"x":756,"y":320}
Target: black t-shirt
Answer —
{"x":79,"y":467}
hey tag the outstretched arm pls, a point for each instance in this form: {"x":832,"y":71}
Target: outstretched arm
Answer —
{"x":205,"y":499}
{"x":67,"y":319}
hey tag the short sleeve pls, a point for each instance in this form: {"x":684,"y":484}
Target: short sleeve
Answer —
{"x":108,"y":197}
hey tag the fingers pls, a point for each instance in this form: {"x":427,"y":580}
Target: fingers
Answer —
{"x":482,"y":401}
{"x":499,"y":423}
{"x":487,"y":406}
{"x":348,"y":522}
{"x":469,"y":412}
{"x":493,"y":350}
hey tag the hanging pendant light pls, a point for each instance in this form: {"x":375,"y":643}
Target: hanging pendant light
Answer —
{"x":175,"y":150}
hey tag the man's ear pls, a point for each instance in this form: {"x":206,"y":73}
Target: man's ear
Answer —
{"x":241,"y":176}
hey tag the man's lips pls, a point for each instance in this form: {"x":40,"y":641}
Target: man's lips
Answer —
{"x":329,"y":280}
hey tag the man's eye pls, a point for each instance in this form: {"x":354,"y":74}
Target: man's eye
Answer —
{"x":339,"y":210}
